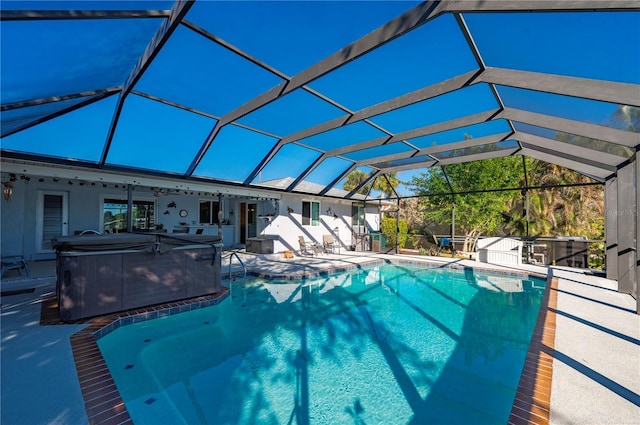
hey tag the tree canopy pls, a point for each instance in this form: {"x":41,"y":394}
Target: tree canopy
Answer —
{"x":384,"y":183}
{"x":552,"y":211}
{"x":475,"y":213}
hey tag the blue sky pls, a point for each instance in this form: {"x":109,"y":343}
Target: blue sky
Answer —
{"x":42,"y":59}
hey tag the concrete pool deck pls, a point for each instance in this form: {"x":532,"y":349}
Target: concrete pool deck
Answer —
{"x":596,"y":354}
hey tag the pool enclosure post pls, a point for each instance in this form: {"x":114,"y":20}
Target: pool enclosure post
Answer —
{"x":526,"y":212}
{"x":398,"y":227}
{"x":626,"y":226}
{"x":611,"y":227}
{"x":637,"y":216}
{"x":453,"y":225}
{"x":220,"y":216}
{"x":129,"y":208}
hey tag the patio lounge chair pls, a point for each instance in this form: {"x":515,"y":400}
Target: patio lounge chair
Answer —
{"x":444,"y":244}
{"x":329,"y":244}
{"x":308,"y":248}
{"x":14,"y":263}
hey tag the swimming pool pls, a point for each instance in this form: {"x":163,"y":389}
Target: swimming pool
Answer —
{"x":387,"y":344}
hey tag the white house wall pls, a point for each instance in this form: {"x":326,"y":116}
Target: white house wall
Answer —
{"x":18,"y":231}
{"x":12,"y":224}
{"x":18,"y":216}
{"x":289,"y":225}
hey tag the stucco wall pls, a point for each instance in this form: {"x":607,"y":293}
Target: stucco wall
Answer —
{"x":12,"y":223}
{"x":289,"y":225}
{"x":18,"y":216}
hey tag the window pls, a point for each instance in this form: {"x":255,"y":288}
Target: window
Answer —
{"x":115,"y":215}
{"x":209,"y":212}
{"x":358,"y":218}
{"x":310,"y":213}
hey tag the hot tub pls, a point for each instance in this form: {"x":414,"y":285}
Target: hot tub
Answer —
{"x":103,"y":274}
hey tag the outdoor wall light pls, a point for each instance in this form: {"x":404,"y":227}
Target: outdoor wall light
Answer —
{"x":329,"y":211}
{"x":7,"y":190}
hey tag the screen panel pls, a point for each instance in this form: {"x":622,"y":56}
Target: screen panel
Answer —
{"x":13,"y":119}
{"x":456,"y":104}
{"x":286,"y":165}
{"x":42,"y":59}
{"x":156,"y":136}
{"x":574,"y":44}
{"x":343,"y":136}
{"x":193,"y":71}
{"x":291,"y":113}
{"x":292,"y":36}
{"x":328,"y":170}
{"x":80,"y":134}
{"x":234,"y":154}
{"x":401,"y":66}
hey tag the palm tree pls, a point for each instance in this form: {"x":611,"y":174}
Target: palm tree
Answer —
{"x":354,"y":179}
{"x":561,"y":211}
{"x":387,"y":185}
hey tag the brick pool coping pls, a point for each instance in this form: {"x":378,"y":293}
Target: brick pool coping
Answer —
{"x":104,"y":405}
{"x":533,"y":396}
{"x":102,"y":400}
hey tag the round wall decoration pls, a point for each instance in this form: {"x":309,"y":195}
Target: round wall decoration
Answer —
{"x":184,"y":213}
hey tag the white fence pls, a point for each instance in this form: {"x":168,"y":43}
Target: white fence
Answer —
{"x":499,"y":251}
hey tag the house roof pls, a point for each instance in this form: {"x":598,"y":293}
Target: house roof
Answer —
{"x":242,"y":93}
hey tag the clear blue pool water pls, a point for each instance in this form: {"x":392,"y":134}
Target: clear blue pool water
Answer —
{"x":391,"y":344}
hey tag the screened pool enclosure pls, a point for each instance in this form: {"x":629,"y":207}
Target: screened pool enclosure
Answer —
{"x":292,"y":97}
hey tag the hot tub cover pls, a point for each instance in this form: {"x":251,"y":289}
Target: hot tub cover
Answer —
{"x":103,"y":242}
{"x":129,"y":241}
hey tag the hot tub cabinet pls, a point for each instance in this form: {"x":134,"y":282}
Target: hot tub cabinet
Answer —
{"x":104,"y":274}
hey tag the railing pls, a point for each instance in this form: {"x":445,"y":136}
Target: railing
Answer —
{"x":563,"y":251}
{"x":244,"y":268}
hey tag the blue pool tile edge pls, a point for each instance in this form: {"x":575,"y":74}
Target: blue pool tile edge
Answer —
{"x":307,"y":274}
{"x":164,"y":310}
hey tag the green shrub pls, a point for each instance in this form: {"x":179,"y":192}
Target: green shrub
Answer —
{"x":388,"y":227}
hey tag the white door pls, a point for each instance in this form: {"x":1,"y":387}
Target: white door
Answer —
{"x":52,"y":218}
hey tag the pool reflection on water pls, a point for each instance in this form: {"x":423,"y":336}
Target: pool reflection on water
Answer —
{"x":387,"y":344}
